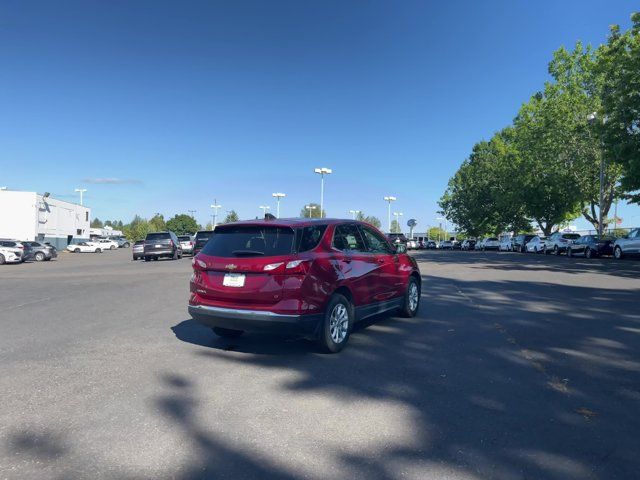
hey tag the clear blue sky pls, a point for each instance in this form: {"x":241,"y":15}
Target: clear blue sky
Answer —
{"x":183,"y":102}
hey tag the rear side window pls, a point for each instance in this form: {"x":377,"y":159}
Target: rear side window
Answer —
{"x":158,"y":236}
{"x":571,"y":236}
{"x":347,"y":237}
{"x":309,"y":237}
{"x":376,"y":242}
{"x":250,"y":241}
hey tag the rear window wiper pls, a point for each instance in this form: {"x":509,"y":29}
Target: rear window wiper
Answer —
{"x":247,"y":252}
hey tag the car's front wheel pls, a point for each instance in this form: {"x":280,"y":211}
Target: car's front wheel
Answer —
{"x":227,"y":332}
{"x":337,"y":324}
{"x":39,"y":257}
{"x":588,"y":253}
{"x":411,"y":299}
{"x":569,"y":252}
{"x":2,"y":260}
{"x":617,"y":253}
{"x":556,"y":250}
{"x":98,"y":250}
{"x":77,"y":250}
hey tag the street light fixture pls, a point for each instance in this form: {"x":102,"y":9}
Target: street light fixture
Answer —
{"x":192,"y":212}
{"x":442,"y":219}
{"x":278,"y":196}
{"x":389,"y":200}
{"x":310,"y":208}
{"x":591,"y":118}
{"x":354,"y":213}
{"x":322,"y":172}
{"x":397,"y":214}
{"x":81,"y":191}
{"x":214,"y":217}
{"x":264,"y":209}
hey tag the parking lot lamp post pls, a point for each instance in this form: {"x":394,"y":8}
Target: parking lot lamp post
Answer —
{"x":322,"y":172}
{"x":592,"y":118}
{"x":389,"y":200}
{"x":81,"y":191}
{"x":192,"y":212}
{"x":215,"y":208}
{"x":397,"y":215}
{"x":445,"y":227}
{"x":354,"y":213}
{"x":264,"y":209}
{"x":278,"y":196}
{"x":311,"y":208}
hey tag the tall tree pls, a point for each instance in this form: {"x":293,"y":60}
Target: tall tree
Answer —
{"x":370,"y":219}
{"x":182,"y":224}
{"x":96,"y":223}
{"x":311,"y":213}
{"x":157,"y":223}
{"x":619,"y":64}
{"x":231,"y":217}
{"x":395,"y":226}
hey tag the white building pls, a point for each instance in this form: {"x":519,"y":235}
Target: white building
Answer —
{"x":34,"y":217}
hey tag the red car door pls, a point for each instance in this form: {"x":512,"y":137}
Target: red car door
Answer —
{"x":387,"y":275}
{"x":357,"y":267}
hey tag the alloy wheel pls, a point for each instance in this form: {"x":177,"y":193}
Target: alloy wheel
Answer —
{"x":339,"y":323}
{"x":413,"y":296}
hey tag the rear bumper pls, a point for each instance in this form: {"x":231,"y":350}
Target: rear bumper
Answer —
{"x":255,"y":320}
{"x":158,"y":253}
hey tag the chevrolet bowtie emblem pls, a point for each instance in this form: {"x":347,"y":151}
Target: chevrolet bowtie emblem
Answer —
{"x":231,"y":266}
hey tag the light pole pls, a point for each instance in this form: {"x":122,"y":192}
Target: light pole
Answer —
{"x":442,"y":219}
{"x":278,"y":196}
{"x":354,"y":213}
{"x":592,"y":119}
{"x":81,"y":191}
{"x":311,"y":208}
{"x":389,"y":200}
{"x":397,"y":214}
{"x":214,"y":217}
{"x":192,"y":212}
{"x":322,"y":171}
{"x":264,"y":209}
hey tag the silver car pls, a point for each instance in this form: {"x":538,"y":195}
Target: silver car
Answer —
{"x":629,"y":245}
{"x":138,"y":250}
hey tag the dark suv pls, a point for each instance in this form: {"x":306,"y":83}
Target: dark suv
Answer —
{"x":311,"y":276}
{"x":161,"y":244}
{"x":201,"y":239}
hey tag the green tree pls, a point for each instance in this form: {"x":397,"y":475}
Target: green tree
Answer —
{"x":436,"y":233}
{"x":395,"y":226}
{"x":370,"y":219}
{"x":231,"y":217}
{"x":96,"y":223}
{"x":619,"y":65}
{"x":182,"y":224}
{"x":137,"y":229}
{"x":313,"y":213}
{"x":157,"y":223}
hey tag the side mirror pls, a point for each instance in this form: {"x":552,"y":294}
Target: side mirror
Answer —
{"x":401,"y":248}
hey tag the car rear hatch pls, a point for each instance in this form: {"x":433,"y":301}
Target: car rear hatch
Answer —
{"x":246,"y":265}
{"x":157,"y":242}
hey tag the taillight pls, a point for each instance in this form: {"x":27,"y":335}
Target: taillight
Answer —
{"x":198,"y":264}
{"x":298,"y":267}
{"x":272,"y":266}
{"x":171,"y":243}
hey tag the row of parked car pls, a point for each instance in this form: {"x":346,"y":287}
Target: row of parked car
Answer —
{"x":559,"y":243}
{"x":158,"y":245}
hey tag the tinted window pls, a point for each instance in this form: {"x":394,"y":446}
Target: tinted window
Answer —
{"x":157,"y":236}
{"x":347,"y":237}
{"x":376,"y":242}
{"x":492,"y":239}
{"x":250,"y":241}
{"x":571,"y":236}
{"x":139,"y":242}
{"x":184,"y":238}
{"x":203,"y":237}
{"x":309,"y":237}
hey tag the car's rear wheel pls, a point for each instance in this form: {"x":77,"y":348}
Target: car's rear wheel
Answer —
{"x":569,"y":252}
{"x":556,"y":250}
{"x":125,"y":245}
{"x":98,"y":250}
{"x":588,"y":253}
{"x":2,"y":260}
{"x":337,"y":324}
{"x":112,"y":247}
{"x":77,"y":250}
{"x":227,"y":332}
{"x":411,"y":299}
{"x":39,"y":257}
{"x":617,"y":253}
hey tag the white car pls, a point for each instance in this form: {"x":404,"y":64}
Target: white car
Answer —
{"x":412,"y":244}
{"x":536,"y":244}
{"x":505,"y":245}
{"x":186,"y":242}
{"x":10,"y":255}
{"x":106,"y":244}
{"x":85,"y":247}
{"x":490,"y":243}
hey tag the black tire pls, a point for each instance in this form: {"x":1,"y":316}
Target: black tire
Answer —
{"x":617,"y":253}
{"x":77,"y":250}
{"x":2,"y":260}
{"x":112,"y":247}
{"x":523,"y":249}
{"x":334,"y":314}
{"x":588,"y":253}
{"x":125,"y":245}
{"x":147,"y":259}
{"x":556,"y":250}
{"x":98,"y":250}
{"x":569,"y":252}
{"x":408,"y":310}
{"x":38,"y":257}
{"x":227,"y":332}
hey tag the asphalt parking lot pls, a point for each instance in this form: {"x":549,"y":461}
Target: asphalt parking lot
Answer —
{"x":518,"y":367}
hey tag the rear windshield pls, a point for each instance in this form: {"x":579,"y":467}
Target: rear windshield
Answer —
{"x":139,"y":242}
{"x":184,"y":238}
{"x":250,"y":241}
{"x":571,"y":236}
{"x":492,"y":239}
{"x":158,"y":236}
{"x":203,"y":237}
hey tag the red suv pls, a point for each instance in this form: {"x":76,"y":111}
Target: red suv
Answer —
{"x":311,"y":276}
